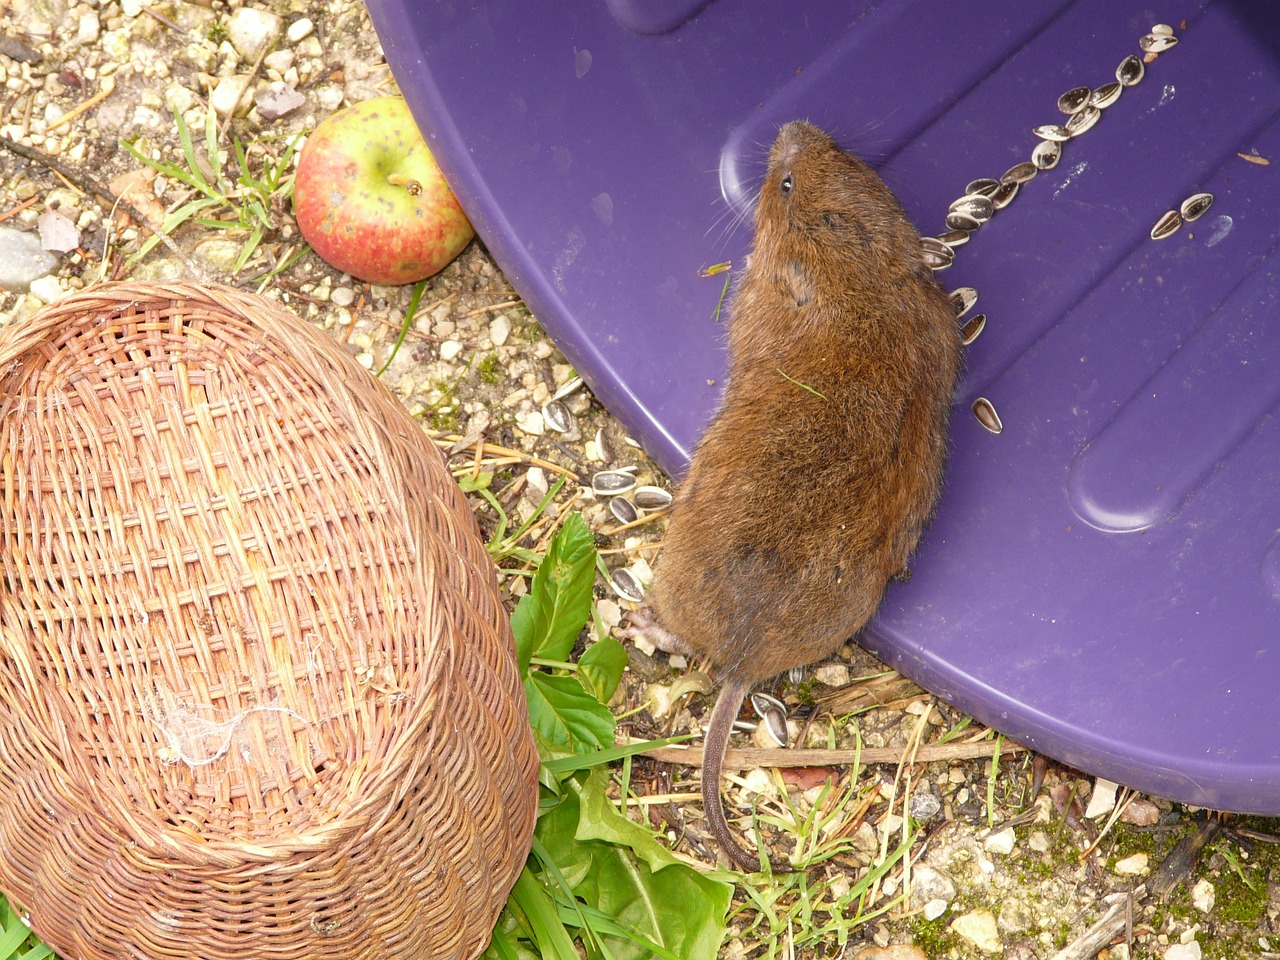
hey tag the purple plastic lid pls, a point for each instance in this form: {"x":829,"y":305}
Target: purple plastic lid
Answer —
{"x":1102,"y":582}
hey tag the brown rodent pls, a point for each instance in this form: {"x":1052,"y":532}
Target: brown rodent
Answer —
{"x":824,"y":463}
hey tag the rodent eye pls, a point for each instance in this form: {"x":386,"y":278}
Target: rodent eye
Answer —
{"x":787,"y":184}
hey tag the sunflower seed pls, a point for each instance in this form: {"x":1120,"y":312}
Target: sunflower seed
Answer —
{"x":970,"y":331}
{"x":1106,"y":95}
{"x":557,"y":416}
{"x":1083,"y":121}
{"x":1052,"y":131}
{"x":986,"y":414}
{"x":963,"y":299}
{"x":1018,"y":173}
{"x":974,"y":205}
{"x":1167,"y":225}
{"x":957,"y":237}
{"x":1155,"y":43}
{"x":960,"y":223}
{"x":570,"y":385}
{"x":1162,"y":30}
{"x":623,"y":510}
{"x":651,"y":498}
{"x":1196,"y":206}
{"x":627,"y":585}
{"x":1074,"y":100}
{"x":984,"y":186}
{"x":1004,"y":196}
{"x":1046,"y":154}
{"x":774,"y":715}
{"x":1130,"y":71}
{"x":610,"y":483}
{"x":936,"y":254}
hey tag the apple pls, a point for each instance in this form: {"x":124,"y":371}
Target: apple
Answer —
{"x":371,"y":200}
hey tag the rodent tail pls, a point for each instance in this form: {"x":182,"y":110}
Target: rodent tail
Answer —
{"x":714,"y":744}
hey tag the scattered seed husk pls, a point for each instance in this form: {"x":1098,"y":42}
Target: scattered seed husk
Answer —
{"x":1046,"y":154}
{"x":986,"y":414}
{"x":651,"y":498}
{"x":627,"y":585}
{"x":774,"y":714}
{"x":623,"y":510}
{"x":1074,"y":100}
{"x":1195,"y":206}
{"x":983,"y":186}
{"x":1052,"y":131}
{"x":972,"y":328}
{"x":956,"y":237}
{"x":1157,"y":43}
{"x":1106,"y":95}
{"x":610,"y":483}
{"x":963,"y":300}
{"x":1167,"y":225}
{"x":973,"y":205}
{"x":1083,"y":121}
{"x":1019,"y":173}
{"x":1004,"y":196}
{"x":961,"y":223}
{"x":570,"y":385}
{"x":1162,"y":30}
{"x":557,"y":416}
{"x":936,"y":254}
{"x":1130,"y":71}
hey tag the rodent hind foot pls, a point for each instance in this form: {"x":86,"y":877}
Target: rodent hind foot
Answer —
{"x":643,"y":624}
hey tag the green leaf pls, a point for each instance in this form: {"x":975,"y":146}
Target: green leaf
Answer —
{"x":548,"y":619}
{"x":600,"y":667}
{"x":564,"y":714}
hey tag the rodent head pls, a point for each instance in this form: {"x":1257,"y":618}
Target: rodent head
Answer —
{"x":823,"y":212}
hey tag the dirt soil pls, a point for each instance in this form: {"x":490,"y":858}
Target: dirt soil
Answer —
{"x":1020,"y":857}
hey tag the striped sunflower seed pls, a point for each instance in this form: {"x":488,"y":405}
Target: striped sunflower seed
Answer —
{"x":1196,"y":206}
{"x":627,"y":585}
{"x":623,"y":510}
{"x":1167,"y":225}
{"x":610,"y":483}
{"x":651,"y":498}
{"x":1107,"y":94}
{"x":1083,"y":121}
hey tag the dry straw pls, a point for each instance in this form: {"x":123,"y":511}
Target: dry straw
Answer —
{"x":257,"y":692}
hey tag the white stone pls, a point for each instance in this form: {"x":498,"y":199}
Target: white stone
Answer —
{"x":531,"y":423}
{"x":300,"y":29}
{"x":979,"y":928}
{"x":1001,"y":843}
{"x":1203,"y":896}
{"x":934,"y":909}
{"x":1102,"y":800}
{"x":928,"y":884}
{"x":22,"y":259}
{"x":1183,"y":951}
{"x":47,"y":289}
{"x":450,"y":349}
{"x":227,"y":95}
{"x":1132,"y":866}
{"x":279,"y":61}
{"x":610,"y":613}
{"x":832,"y":674}
{"x":131,"y":8}
{"x":250,"y":29}
{"x":499,"y":329}
{"x":88,"y":29}
{"x":343,"y":296}
{"x":1038,"y":842}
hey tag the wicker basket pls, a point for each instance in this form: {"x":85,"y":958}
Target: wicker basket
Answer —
{"x":257,"y":694}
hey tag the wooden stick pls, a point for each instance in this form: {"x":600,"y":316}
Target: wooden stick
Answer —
{"x":740,"y":759}
{"x":108,"y":88}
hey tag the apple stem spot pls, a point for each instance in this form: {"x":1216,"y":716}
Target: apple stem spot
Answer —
{"x":410,"y":184}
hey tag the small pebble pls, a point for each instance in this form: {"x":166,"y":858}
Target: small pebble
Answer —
{"x":1184,"y":951}
{"x":832,"y":674}
{"x":1001,"y":843}
{"x":1038,"y":842}
{"x":300,"y":29}
{"x":499,"y":330}
{"x":979,"y":928}
{"x":450,"y":349}
{"x":1141,"y":813}
{"x":47,"y":289}
{"x":342,"y":296}
{"x":1132,"y":866}
{"x":226,"y":95}
{"x":22,"y":259}
{"x":934,"y":909}
{"x":1102,"y":799}
{"x":1203,"y":896}
{"x":251,"y":28}
{"x":531,"y":423}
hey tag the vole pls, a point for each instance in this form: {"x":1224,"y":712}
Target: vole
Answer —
{"x":811,"y":487}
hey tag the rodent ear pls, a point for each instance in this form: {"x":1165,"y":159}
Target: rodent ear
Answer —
{"x":798,"y":282}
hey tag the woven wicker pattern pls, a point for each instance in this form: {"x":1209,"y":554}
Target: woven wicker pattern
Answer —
{"x":257,"y":694}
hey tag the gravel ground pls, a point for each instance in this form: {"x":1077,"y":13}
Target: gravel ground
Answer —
{"x":1006,"y":870}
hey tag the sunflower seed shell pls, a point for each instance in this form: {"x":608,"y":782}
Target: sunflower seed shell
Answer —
{"x":956,"y":237}
{"x":1083,"y":121}
{"x":1052,"y":131}
{"x":971,"y":330}
{"x":1046,"y":154}
{"x":557,"y":417}
{"x":610,"y":483}
{"x":651,"y":498}
{"x":936,"y":254}
{"x":984,"y":186}
{"x":1106,"y":95}
{"x":1004,"y":196}
{"x":1167,"y":225}
{"x":958,"y":222}
{"x":1130,"y":71}
{"x":1157,"y":43}
{"x":987,"y":416}
{"x":1018,"y":173}
{"x":1196,"y":206}
{"x":623,"y":510}
{"x":1074,"y":100}
{"x":963,"y":300}
{"x":626,"y":585}
{"x":1162,"y":30}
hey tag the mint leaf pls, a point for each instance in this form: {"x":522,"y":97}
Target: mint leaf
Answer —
{"x":600,"y":667}
{"x":564,"y":714}
{"x":548,"y":619}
